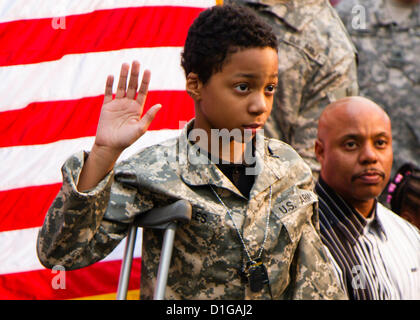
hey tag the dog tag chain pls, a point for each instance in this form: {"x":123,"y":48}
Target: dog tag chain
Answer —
{"x":254,"y":269}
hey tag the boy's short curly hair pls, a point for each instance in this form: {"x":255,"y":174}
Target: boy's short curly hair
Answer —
{"x":220,"y":31}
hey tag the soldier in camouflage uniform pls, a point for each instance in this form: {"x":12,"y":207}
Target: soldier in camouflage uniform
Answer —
{"x":275,"y":221}
{"x":317,"y":65}
{"x":386,"y":34}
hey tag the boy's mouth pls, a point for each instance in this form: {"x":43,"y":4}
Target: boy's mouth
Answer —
{"x":253,"y":126}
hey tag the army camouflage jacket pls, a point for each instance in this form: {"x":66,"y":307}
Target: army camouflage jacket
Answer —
{"x":389,"y":68}
{"x":82,"y":228}
{"x":317,"y":65}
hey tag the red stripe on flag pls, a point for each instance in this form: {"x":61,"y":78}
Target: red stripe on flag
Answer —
{"x":99,"y":278}
{"x":33,"y":41}
{"x":46,"y":122}
{"x":26,"y":207}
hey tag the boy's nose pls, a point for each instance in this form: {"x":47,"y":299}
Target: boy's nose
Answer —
{"x":259,"y":104}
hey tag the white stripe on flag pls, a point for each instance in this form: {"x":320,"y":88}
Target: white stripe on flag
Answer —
{"x":18,"y":250}
{"x":24,"y":9}
{"x":78,"y":76}
{"x":25,"y":166}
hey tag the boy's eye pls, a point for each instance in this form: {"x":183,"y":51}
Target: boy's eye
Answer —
{"x":243,"y":87}
{"x":270,"y":88}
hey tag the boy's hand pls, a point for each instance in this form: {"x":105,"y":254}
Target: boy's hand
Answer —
{"x":120,"y":124}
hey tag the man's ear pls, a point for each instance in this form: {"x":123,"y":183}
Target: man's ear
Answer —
{"x":193,"y":86}
{"x":319,"y":150}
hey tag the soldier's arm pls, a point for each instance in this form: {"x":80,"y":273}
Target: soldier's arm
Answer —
{"x":74,"y":233}
{"x":312,"y":273}
{"x":120,"y":124}
{"x":333,"y":76}
{"x":82,"y":228}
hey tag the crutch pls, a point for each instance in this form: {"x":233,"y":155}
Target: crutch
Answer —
{"x":159,"y":218}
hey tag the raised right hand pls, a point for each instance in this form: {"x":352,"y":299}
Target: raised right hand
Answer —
{"x":120,"y":123}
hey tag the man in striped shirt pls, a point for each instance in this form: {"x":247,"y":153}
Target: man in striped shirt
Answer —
{"x":376,"y":253}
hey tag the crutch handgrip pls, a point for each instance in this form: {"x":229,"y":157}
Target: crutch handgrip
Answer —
{"x":158,"y":218}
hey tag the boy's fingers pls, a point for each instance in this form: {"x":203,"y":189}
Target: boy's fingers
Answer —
{"x":144,"y":86}
{"x":148,"y":117}
{"x":122,"y":83}
{"x":108,"y":88}
{"x":134,"y":80}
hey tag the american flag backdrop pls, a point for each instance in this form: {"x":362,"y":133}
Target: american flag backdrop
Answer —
{"x":54,"y":60}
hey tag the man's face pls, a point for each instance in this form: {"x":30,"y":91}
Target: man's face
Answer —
{"x":356,"y":157}
{"x":241,"y":94}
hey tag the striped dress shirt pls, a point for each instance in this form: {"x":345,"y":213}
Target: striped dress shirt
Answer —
{"x":376,"y":258}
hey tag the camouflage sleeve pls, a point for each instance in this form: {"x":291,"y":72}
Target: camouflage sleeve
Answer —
{"x":315,"y":68}
{"x":332,"y":82}
{"x":312,"y":273}
{"x":76,"y":231}
{"x":313,"y":276}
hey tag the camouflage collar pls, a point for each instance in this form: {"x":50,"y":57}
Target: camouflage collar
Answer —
{"x":272,"y":169}
{"x":295,"y":13}
{"x":197,"y":170}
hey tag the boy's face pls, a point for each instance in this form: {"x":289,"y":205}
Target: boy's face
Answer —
{"x":241,"y":94}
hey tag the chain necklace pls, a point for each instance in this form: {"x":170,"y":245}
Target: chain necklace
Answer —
{"x":254,"y":269}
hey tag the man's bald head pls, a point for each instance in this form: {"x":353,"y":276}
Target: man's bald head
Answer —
{"x":354,"y":148}
{"x":348,"y":109}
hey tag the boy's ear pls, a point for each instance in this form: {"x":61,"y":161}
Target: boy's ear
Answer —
{"x":193,"y":86}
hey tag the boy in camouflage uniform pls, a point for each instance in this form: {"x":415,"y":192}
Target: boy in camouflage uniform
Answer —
{"x":317,"y":65}
{"x":260,"y":213}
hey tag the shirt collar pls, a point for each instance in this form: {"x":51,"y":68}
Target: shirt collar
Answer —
{"x":373,"y":224}
{"x":198,"y":170}
{"x":347,"y":216}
